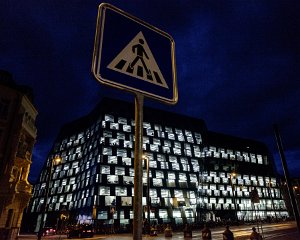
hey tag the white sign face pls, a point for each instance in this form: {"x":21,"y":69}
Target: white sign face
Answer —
{"x":137,"y":60}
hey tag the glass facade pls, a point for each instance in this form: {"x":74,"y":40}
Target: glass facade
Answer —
{"x":193,"y":177}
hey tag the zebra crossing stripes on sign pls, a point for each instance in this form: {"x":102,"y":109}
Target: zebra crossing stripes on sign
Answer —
{"x":137,"y":60}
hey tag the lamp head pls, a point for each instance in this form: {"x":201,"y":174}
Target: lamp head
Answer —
{"x":57,"y":160}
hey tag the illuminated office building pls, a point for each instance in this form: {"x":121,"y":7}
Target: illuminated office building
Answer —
{"x":195,"y":174}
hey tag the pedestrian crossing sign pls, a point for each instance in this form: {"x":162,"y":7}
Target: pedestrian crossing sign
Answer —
{"x":132,"y":55}
{"x":137,"y":60}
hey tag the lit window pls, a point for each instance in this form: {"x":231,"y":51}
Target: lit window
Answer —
{"x":253,"y":158}
{"x":170,"y":183}
{"x":108,"y":118}
{"x":146,"y":125}
{"x":171,"y":175}
{"x":198,"y":138}
{"x":128,"y":180}
{"x":159,"y":174}
{"x":167,"y":143}
{"x":246,"y":157}
{"x":190,"y":139}
{"x":107,"y":133}
{"x":163,"y":213}
{"x":153,"y":164}
{"x":172,"y":158}
{"x":171,"y":136}
{"x":156,"y":141}
{"x":122,"y":120}
{"x":168,"y":129}
{"x":150,"y":132}
{"x":112,"y":159}
{"x":120,"y":136}
{"x":113,"y":142}
{"x":193,"y":177}
{"x":146,"y":140}
{"x":67,"y":188}
{"x":175,"y":166}
{"x":161,"y":157}
{"x":163,"y":165}
{"x":266,"y":161}
{"x":107,"y":151}
{"x":121,"y":152}
{"x":153,"y":192}
{"x":75,"y":164}
{"x":259,"y":159}
{"x":113,"y":179}
{"x":154,"y":148}
{"x":126,"y":128}
{"x":121,"y":191}
{"x":165,"y":193}
{"x":72,"y":180}
{"x":127,"y":144}
{"x":178,"y":193}
{"x":126,"y":161}
{"x":182,"y":177}
{"x":69,"y":197}
{"x":157,"y":127}
{"x":104,"y":169}
{"x":181,"y":137}
{"x":176,"y":213}
{"x":166,"y":149}
{"x":110,"y":200}
{"x":119,"y":170}
{"x":178,"y":144}
{"x":61,"y":198}
{"x":104,"y":190}
{"x":157,"y":182}
{"x":126,"y":201}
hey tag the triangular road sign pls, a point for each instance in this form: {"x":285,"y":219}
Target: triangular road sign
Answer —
{"x":136,"y":60}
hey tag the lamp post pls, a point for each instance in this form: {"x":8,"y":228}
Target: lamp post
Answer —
{"x":53,"y":162}
{"x":232,"y":175}
{"x":148,"y":191}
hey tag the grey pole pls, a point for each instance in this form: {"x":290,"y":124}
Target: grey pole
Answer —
{"x":287,"y":177}
{"x":138,"y":169}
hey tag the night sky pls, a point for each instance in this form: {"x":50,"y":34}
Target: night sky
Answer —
{"x":238,"y":64}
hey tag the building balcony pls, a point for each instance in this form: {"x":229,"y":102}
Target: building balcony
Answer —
{"x":23,"y":187}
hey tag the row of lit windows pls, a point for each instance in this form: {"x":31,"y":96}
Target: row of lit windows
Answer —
{"x":82,"y":200}
{"x":210,"y":190}
{"x":211,"y":151}
{"x":82,"y":137}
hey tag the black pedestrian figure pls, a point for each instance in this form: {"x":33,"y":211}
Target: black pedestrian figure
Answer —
{"x":139,"y":50}
{"x":206,"y":233}
{"x":227,"y":234}
{"x":255,"y":235}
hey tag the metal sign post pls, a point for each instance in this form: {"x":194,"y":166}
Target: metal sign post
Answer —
{"x":138,"y":168}
{"x":134,"y":56}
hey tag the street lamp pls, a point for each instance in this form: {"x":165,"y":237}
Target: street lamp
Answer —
{"x":233,"y":175}
{"x":56,"y":160}
{"x":148,"y":191}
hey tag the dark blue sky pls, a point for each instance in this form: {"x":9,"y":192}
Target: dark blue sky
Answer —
{"x":238,"y":64}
